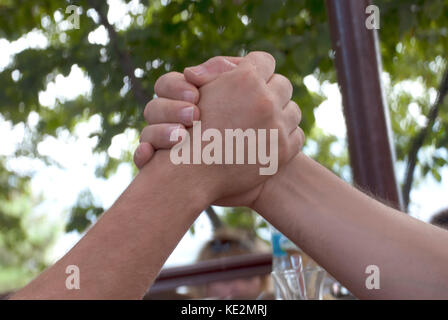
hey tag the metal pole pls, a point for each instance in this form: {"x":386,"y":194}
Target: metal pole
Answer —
{"x":358,"y":65}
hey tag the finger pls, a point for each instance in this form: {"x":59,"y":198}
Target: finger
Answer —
{"x":263,"y":62}
{"x":143,"y":154}
{"x":281,"y":88}
{"x":296,"y":140}
{"x":292,"y":115}
{"x":235,"y":60}
{"x":162,"y":136}
{"x":173,"y":85}
{"x":210,"y":70}
{"x":162,"y":110}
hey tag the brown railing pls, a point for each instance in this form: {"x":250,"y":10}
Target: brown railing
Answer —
{"x":203,"y":272}
{"x":213,"y":270}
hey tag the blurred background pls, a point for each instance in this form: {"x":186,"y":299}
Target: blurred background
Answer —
{"x":75,"y":77}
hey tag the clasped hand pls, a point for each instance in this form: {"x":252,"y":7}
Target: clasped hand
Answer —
{"x":225,"y":94}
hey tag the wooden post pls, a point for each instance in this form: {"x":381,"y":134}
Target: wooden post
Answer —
{"x":358,"y":65}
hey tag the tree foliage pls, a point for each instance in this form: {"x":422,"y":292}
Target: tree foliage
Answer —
{"x":171,"y":35}
{"x":24,"y":239}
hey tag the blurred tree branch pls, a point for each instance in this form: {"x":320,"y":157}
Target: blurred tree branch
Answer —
{"x":419,"y":139}
{"x":122,"y":53}
{"x":214,"y":219}
{"x":128,"y":69}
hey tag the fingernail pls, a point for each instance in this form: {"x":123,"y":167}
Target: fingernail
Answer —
{"x":186,"y":115}
{"x":198,"y":70}
{"x":137,"y":151}
{"x":189,"y":96}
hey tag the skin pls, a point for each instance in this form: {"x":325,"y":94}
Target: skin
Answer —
{"x":121,"y":255}
{"x":123,"y":252}
{"x":341,"y":228}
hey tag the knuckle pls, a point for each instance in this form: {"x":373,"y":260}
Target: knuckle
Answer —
{"x":165,"y":81}
{"x":297,"y":118}
{"x":264,"y":55}
{"x":283,"y":152}
{"x":302,"y":137}
{"x":282,"y":78}
{"x":287,"y":83}
{"x":248,"y":74}
{"x":283,"y":136}
{"x":148,"y":109}
{"x":265,"y":104}
{"x":218,"y":65}
{"x":264,"y":58}
{"x":143,"y":133}
{"x":247,"y":79}
{"x":299,"y":113}
{"x":283,"y":83}
{"x":297,"y":139}
{"x":268,"y":56}
{"x":216,"y":60}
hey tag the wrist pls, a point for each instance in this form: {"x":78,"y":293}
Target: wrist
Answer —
{"x":184,"y":181}
{"x":287,"y":179}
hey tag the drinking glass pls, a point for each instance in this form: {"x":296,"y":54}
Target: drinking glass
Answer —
{"x":299,"y":284}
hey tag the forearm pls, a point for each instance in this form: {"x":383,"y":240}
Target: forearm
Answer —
{"x":123,"y":253}
{"x":345,"y":231}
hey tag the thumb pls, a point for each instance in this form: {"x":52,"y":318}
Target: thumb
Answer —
{"x":143,"y":154}
{"x":210,"y":70}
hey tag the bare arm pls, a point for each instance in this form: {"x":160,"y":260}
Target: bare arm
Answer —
{"x":345,"y":231}
{"x":122,"y":254}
